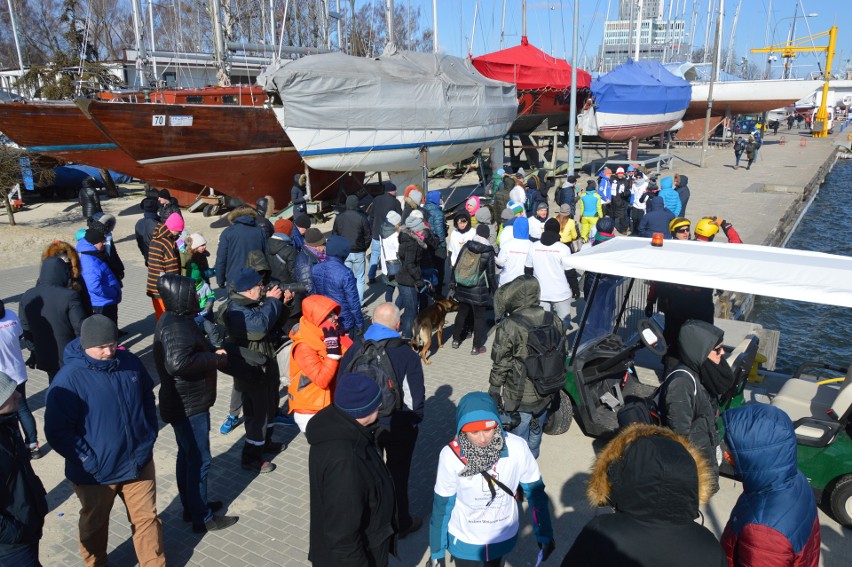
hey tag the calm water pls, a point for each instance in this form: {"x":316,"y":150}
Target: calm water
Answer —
{"x":810,"y":331}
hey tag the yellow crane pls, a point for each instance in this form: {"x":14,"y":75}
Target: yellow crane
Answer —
{"x":791,"y":49}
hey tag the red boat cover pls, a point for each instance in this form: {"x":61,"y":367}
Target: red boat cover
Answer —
{"x":529,"y":68}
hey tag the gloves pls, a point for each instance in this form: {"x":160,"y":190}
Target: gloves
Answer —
{"x":649,"y":309}
{"x":494,"y":392}
{"x":331,"y":338}
{"x":726,"y":226}
{"x":547,"y":549}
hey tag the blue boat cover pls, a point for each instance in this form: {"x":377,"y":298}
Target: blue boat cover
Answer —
{"x":71,"y":176}
{"x":640,"y":87}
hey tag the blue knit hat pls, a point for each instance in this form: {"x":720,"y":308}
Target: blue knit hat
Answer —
{"x":245,"y":279}
{"x":357,"y":394}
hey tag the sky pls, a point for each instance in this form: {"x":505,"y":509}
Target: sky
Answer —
{"x":549,"y":26}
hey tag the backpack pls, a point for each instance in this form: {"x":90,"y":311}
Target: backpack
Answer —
{"x":739,"y":146}
{"x":467,"y":271}
{"x":546,"y":353}
{"x":373,"y":361}
{"x":648,"y":410}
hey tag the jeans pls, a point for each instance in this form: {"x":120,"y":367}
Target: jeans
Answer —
{"x":140,"y":499}
{"x":25,"y":416}
{"x":375,"y":253}
{"x":357,"y":262}
{"x":737,"y":157}
{"x":193,"y":462}
{"x":26,"y":556}
{"x":562,"y":309}
{"x":260,"y":404}
{"x":531,"y":428}
{"x":407,"y":302}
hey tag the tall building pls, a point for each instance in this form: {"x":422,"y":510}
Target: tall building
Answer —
{"x":659,"y":39}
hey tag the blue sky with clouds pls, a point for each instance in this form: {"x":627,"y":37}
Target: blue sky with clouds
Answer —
{"x":549,"y":25}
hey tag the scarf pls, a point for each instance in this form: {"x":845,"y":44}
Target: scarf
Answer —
{"x":717,"y":378}
{"x":480,"y":459}
{"x":321,"y":256}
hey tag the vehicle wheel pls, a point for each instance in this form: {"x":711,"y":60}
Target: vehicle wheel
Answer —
{"x":449,"y":173}
{"x":559,"y":421}
{"x":210,"y":210}
{"x":840,"y":500}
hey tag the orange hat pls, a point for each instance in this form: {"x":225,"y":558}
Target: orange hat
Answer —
{"x":483,"y":425}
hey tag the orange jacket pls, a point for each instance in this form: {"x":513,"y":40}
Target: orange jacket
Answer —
{"x":312,"y":372}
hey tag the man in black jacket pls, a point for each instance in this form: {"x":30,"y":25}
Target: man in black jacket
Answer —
{"x":397,"y":433}
{"x":298,"y":194}
{"x":187,"y":367}
{"x":382,"y":204}
{"x":353,"y":515}
{"x":146,"y":225}
{"x":22,"y":495}
{"x":89,"y":199}
{"x":353,"y":225}
{"x":167,"y":205}
{"x":51,"y":315}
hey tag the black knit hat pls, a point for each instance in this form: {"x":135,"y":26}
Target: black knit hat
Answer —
{"x":95,"y":234}
{"x":357,"y":394}
{"x":302,"y":221}
{"x":98,"y":330}
{"x":150,"y":205}
{"x":483,"y":230}
{"x":164,"y":194}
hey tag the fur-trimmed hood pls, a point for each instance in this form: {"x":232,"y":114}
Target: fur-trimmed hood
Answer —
{"x":652,"y":474}
{"x":405,"y":232}
{"x":60,"y":248}
{"x":243,"y":211}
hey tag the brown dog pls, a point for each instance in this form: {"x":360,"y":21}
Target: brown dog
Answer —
{"x":427,"y":321}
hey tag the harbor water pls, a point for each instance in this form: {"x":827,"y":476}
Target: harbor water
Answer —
{"x":811,"y":331}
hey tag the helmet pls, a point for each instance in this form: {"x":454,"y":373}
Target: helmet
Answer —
{"x":707,"y":228}
{"x":679,"y":222}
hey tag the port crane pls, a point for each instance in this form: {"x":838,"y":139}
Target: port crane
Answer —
{"x":796,"y":46}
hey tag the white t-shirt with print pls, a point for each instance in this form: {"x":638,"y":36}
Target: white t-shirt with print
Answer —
{"x":11,"y":357}
{"x":512,"y":259}
{"x":549,"y":264}
{"x":457,"y":241}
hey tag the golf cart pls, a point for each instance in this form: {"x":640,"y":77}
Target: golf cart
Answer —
{"x":616,"y":348}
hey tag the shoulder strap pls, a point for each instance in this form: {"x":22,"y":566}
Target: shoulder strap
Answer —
{"x":456,"y":448}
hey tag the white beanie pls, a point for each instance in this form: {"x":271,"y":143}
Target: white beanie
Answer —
{"x":393,"y":217}
{"x":197,"y":240}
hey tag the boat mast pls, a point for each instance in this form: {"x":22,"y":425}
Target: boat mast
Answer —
{"x":790,"y":37}
{"x":221,"y":56}
{"x":729,"y":62}
{"x":153,"y":47}
{"x":435,"y":25}
{"x":523,"y":21}
{"x":391,"y":39}
{"x":638,"y":31}
{"x":502,"y":22}
{"x":718,"y":46}
{"x":473,"y":31}
{"x":14,"y":20}
{"x":572,"y":122}
{"x":141,"y":52}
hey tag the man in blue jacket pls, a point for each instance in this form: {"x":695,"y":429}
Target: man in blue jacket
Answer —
{"x":334,"y":280}
{"x":101,"y":417}
{"x":102,"y":284}
{"x":235,"y":243}
{"x":669,"y":196}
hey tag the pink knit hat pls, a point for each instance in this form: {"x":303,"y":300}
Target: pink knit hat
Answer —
{"x":174,"y":222}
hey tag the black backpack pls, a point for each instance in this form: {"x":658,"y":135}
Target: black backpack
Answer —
{"x":546,"y":354}
{"x":373,"y":361}
{"x":648,"y":410}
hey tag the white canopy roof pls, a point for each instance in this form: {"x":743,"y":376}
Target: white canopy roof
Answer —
{"x":800,"y":275}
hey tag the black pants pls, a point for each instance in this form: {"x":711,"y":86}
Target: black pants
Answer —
{"x":259,"y":406}
{"x":619,"y":215}
{"x":477,"y":312}
{"x":397,"y":442}
{"x":110,"y":311}
{"x":636,"y":216}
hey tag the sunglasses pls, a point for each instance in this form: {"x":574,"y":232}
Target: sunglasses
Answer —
{"x":682,"y":230}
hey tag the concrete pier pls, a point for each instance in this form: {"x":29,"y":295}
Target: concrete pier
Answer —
{"x":762,"y":204}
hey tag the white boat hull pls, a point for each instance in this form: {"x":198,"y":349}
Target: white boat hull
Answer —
{"x":388,"y":150}
{"x":748,"y":97}
{"x":622,"y":127}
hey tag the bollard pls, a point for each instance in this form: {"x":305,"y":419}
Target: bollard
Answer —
{"x":803,"y":142}
{"x":783,"y":140}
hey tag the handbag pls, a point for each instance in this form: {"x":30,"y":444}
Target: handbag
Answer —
{"x":575,"y":245}
{"x":392,"y":266}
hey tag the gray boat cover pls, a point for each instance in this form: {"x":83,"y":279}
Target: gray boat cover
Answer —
{"x":400,"y":90}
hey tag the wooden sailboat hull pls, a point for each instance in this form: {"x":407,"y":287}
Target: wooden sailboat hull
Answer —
{"x":58,"y":129}
{"x":240,"y":151}
{"x":540,"y":105}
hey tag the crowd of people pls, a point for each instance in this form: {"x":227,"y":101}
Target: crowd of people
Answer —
{"x":291,"y":306}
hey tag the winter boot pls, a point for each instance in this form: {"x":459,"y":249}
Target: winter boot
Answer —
{"x":252,"y":459}
{"x":270,"y":447}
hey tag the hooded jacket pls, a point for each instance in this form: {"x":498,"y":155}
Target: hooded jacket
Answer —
{"x":281,"y":255}
{"x":51,"y":314}
{"x":437,"y":220}
{"x":682,"y":190}
{"x":688,"y":409}
{"x":669,"y":195}
{"x":480,"y":293}
{"x":235,"y":243}
{"x":411,"y":254}
{"x":519,"y":300}
{"x":458,"y":237}
{"x":312,"y":370}
{"x":163,"y":258}
{"x":144,"y":231}
{"x":657,"y":218}
{"x":353,"y":225}
{"x":513,"y":253}
{"x":69,"y":253}
{"x":23,"y":504}
{"x":298,"y":196}
{"x":775,"y":520}
{"x":90,"y":201}
{"x":655,"y":481}
{"x":248,"y":324}
{"x":590,"y":204}
{"x":353,"y":508}
{"x":101,"y":283}
{"x":379,"y":210}
{"x":334,"y":280}
{"x":461,"y":520}
{"x":101,"y":416}
{"x":185,"y":360}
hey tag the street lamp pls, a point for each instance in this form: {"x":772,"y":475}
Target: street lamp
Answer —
{"x":771,"y":57}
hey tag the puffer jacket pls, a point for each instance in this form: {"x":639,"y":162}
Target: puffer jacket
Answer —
{"x":655,"y":481}
{"x":479,"y":294}
{"x":354,"y":514}
{"x":281,"y":255}
{"x":101,"y":416}
{"x":312,"y":370}
{"x":590,"y":204}
{"x":669,"y":195}
{"x":69,"y":253}
{"x":185,"y":360}
{"x":518,"y":299}
{"x":657,"y":218}
{"x":437,"y":220}
{"x":235,"y":243}
{"x":334,"y":280}
{"x":306,"y":259}
{"x":101,"y":283}
{"x":90,"y":201}
{"x":411,"y":254}
{"x":248,"y":323}
{"x":298,"y":196}
{"x":775,"y":520}
{"x":22,"y":497}
{"x":683,"y":192}
{"x":163,"y":258}
{"x":51,"y":314}
{"x":688,"y":409}
{"x":353,"y":225}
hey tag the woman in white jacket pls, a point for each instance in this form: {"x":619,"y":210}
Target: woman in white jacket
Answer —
{"x":389,"y":250}
{"x":461,"y":234}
